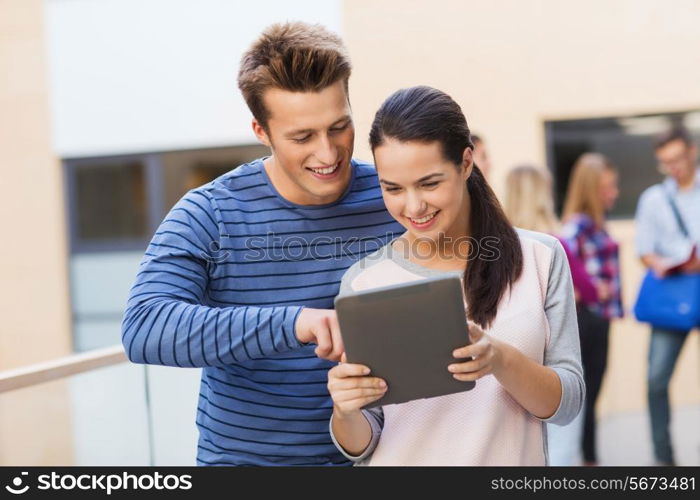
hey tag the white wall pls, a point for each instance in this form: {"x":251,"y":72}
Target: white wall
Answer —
{"x":145,"y":75}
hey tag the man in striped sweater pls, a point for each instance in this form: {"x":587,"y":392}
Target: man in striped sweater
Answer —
{"x":240,"y":277}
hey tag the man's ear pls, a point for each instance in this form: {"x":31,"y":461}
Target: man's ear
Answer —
{"x":467,"y":163}
{"x":261,"y":133}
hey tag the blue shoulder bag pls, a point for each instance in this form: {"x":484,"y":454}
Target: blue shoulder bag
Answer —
{"x":672,"y":302}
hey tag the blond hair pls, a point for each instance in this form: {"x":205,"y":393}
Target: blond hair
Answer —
{"x":528,"y":202}
{"x":297,"y":57}
{"x":583,"y":194}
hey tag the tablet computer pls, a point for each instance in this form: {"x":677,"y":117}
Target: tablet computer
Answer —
{"x":406,"y":334}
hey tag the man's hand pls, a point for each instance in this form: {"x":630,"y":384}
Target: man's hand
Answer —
{"x":657,"y":264}
{"x":320,"y":327}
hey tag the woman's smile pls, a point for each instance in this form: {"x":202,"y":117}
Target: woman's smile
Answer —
{"x":424,"y":222}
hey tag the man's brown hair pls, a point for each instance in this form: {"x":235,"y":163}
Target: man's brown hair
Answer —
{"x":673,"y":134}
{"x":297,"y":57}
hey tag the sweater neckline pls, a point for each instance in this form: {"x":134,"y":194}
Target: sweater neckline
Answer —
{"x":259,"y":163}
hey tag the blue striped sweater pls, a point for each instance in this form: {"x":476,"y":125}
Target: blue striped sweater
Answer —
{"x":220,"y":287}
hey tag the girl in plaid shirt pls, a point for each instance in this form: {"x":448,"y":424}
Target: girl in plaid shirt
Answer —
{"x":592,"y":192}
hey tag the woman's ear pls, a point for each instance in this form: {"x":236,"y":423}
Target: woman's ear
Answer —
{"x":467,"y":163}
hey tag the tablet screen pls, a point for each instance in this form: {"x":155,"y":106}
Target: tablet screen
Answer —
{"x":406,"y":335}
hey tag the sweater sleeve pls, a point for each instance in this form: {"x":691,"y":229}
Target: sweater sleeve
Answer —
{"x":167,"y":321}
{"x":563,"y":351}
{"x":375,"y":418}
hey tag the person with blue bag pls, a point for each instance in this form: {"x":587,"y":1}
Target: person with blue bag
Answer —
{"x":668,"y":242}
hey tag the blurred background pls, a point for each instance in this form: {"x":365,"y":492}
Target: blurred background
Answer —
{"x":111,"y":109}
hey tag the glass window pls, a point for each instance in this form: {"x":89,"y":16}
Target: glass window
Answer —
{"x":111,"y":201}
{"x":116,"y":203}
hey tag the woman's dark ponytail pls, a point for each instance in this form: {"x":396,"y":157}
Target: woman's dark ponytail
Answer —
{"x":425,"y":114}
{"x":487,"y":278}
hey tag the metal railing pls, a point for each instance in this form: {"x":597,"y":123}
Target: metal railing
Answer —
{"x":55,"y":369}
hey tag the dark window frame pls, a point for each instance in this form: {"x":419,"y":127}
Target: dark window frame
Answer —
{"x":153,"y":186}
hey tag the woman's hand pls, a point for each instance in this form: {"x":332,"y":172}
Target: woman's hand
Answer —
{"x":535,"y":387}
{"x":351,"y":387}
{"x":487,"y":354}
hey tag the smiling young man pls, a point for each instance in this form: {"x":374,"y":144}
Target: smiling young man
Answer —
{"x":240,"y":277}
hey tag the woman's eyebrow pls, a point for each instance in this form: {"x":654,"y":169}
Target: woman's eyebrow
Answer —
{"x":422,"y":179}
{"x":429,"y":176}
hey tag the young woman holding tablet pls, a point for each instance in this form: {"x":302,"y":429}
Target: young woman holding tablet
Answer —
{"x":518,"y":296}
